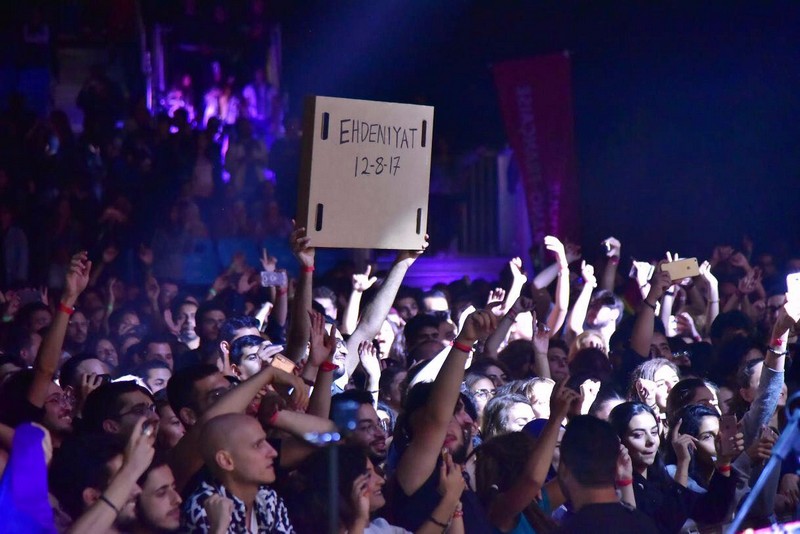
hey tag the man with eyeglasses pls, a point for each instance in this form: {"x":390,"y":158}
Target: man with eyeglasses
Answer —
{"x":115,"y":408}
{"x":370,"y":431}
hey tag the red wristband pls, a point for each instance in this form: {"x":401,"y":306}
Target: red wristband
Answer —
{"x":461,"y":346}
{"x":458,"y":513}
{"x":327,"y":367}
{"x":66,"y":309}
{"x":775,"y":343}
{"x":623,"y":483}
{"x":308,"y":268}
{"x":614,"y":260}
{"x":273,"y":418}
{"x":724,"y":468}
{"x":511,"y":313}
{"x":283,"y":291}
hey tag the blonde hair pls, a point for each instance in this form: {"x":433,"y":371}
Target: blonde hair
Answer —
{"x":581,"y":341}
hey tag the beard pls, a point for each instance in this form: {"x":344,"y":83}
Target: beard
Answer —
{"x":462,"y":452}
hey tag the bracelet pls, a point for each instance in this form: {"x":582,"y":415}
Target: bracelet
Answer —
{"x":308,"y":269}
{"x":7,"y":318}
{"x":458,"y":514}
{"x":776,"y":343}
{"x":461,"y":346}
{"x":283,"y":291}
{"x":212,"y":292}
{"x":273,"y":418}
{"x":309,"y":383}
{"x":649,"y":305}
{"x":108,"y":502}
{"x":66,"y":309}
{"x":714,"y":301}
{"x":327,"y":367}
{"x":778,"y":352}
{"x":511,"y":314}
{"x":724,"y":468}
{"x":614,"y":260}
{"x":670,"y":293}
{"x":624,"y":482}
{"x":437,"y":523}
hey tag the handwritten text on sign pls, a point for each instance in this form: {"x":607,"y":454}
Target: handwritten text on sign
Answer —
{"x":366,"y":161}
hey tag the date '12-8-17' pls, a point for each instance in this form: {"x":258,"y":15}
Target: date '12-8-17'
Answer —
{"x":365,"y":167}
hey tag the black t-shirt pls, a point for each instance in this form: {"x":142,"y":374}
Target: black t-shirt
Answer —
{"x":411,"y":511}
{"x":24,"y":412}
{"x":609,"y":517}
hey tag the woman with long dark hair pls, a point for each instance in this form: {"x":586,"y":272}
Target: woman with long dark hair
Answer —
{"x":669,"y":504}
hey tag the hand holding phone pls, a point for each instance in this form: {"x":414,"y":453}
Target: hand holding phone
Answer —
{"x":728,"y":429}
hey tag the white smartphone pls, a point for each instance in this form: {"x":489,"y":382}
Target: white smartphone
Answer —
{"x":793,"y":285}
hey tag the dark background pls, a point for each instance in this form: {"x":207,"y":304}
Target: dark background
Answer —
{"x":686,"y":115}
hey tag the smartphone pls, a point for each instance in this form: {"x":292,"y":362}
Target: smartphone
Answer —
{"x":345,"y":416}
{"x":727,"y":429}
{"x":680,"y":269}
{"x":273,"y":279}
{"x":632,"y":273}
{"x":793,"y":285}
{"x":283,"y":363}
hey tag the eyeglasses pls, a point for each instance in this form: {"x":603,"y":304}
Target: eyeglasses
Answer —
{"x":139,"y":410}
{"x":484,"y":393}
{"x":372,"y":427}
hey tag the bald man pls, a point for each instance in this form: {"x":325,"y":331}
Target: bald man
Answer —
{"x":235,"y":450}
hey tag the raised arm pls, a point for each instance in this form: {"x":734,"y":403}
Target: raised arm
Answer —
{"x":322,"y":349}
{"x":556,"y":318}
{"x":541,"y":343}
{"x":613,"y":254}
{"x":581,"y":306}
{"x":374,"y":315}
{"x":712,"y":309}
{"x":361,"y":282}
{"x":642,"y":334}
{"x":518,"y":280}
{"x":46,"y":364}
{"x":493,"y":342}
{"x":299,"y":327}
{"x":419,"y":459}
{"x":504,"y":510}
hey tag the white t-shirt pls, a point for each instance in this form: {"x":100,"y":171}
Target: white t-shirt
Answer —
{"x":380,"y":526}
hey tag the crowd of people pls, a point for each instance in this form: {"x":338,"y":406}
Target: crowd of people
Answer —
{"x":134,"y":398}
{"x":555,"y":403}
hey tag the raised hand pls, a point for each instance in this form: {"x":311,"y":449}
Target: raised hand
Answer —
{"x":737,"y":441}
{"x":562,"y":399}
{"x":77,"y":277}
{"x":139,"y":450}
{"x":268,"y":263}
{"x":299,"y":395}
{"x":685,"y":326}
{"x":322,"y":346}
{"x":554,"y":245}
{"x":246,"y":282}
{"x":643,"y":271}
{"x":761,"y":449}
{"x":516,"y":271}
{"x":496,"y":295}
{"x":705,"y":272}
{"x":368,"y":356}
{"x":613,"y":247}
{"x":412,"y":255}
{"x":739,"y":260}
{"x":721,"y":254}
{"x":89,"y":383}
{"x":541,"y":336}
{"x":300,"y":247}
{"x":523,"y":305}
{"x":646,"y":389}
{"x":683,"y":444}
{"x":587,"y":273}
{"x":479,"y":325}
{"x":659,"y":284}
{"x":359,"y":497}
{"x":362,"y":282}
{"x":43,"y":296}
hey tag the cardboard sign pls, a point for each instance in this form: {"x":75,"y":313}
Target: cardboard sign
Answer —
{"x":365,"y":173}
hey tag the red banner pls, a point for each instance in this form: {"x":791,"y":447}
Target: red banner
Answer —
{"x":536,"y":103}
